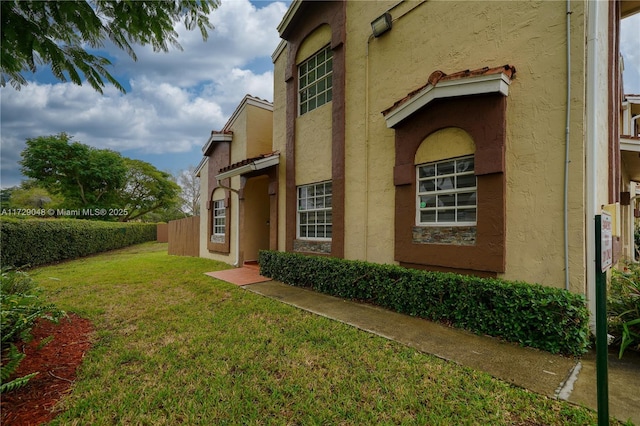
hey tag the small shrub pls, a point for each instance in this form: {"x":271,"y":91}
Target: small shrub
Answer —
{"x":623,"y":307}
{"x":546,"y":318}
{"x":20,"y":307}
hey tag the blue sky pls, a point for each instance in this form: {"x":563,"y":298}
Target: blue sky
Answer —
{"x":175,"y":99}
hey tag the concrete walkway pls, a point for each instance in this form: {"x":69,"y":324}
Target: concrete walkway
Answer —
{"x":551,"y":375}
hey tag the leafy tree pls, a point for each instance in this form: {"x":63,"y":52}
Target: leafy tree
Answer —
{"x":164,"y":214}
{"x":58,"y":33}
{"x":146,"y":189}
{"x":31,"y":196}
{"x":5,"y":197}
{"x":85,"y":176}
{"x":190,"y":194}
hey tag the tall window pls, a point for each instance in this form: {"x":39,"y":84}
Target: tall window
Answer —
{"x":219,"y":218}
{"x":314,"y":211}
{"x":315,"y":80}
{"x":446,"y":193}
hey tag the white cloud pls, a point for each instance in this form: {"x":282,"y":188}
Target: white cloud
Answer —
{"x":175,"y":100}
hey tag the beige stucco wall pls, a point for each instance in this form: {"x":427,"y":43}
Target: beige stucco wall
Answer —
{"x":240,"y":135}
{"x":279,"y":139}
{"x":466,"y":35}
{"x":313,"y":146}
{"x":445,"y":143}
{"x":316,"y":41}
{"x":259,"y":131}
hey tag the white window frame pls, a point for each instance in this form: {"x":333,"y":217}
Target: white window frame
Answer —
{"x":315,"y":200}
{"x":219,"y":217}
{"x":315,"y":81}
{"x":428,"y":196}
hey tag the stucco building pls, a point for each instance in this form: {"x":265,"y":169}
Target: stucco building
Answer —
{"x":474,"y":137}
{"x":238,"y":177}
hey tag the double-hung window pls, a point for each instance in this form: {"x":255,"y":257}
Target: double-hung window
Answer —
{"x":315,"y":80}
{"x":219,"y":218}
{"x":314,"y":211}
{"x":446,"y":193}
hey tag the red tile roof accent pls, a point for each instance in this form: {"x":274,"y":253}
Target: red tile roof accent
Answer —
{"x":248,"y":161}
{"x":438,"y":76}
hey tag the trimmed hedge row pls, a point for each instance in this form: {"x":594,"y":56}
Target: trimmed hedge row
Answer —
{"x":546,"y":318}
{"x":32,"y":242}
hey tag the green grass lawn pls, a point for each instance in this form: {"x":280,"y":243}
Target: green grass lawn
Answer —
{"x":175,"y":346}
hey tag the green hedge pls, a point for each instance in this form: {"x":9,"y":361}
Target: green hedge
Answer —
{"x":546,"y":318}
{"x":32,"y":242}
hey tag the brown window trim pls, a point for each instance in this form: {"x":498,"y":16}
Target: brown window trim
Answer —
{"x":484,"y":118}
{"x":222,"y":247}
{"x":311,"y":16}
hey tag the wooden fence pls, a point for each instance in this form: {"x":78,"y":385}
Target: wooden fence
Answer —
{"x":162,"y":233}
{"x":184,"y":237}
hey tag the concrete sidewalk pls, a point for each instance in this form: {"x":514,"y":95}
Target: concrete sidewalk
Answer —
{"x":552,"y":375}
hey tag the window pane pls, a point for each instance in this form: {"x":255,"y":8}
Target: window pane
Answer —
{"x":428,"y":216}
{"x":314,"y":210}
{"x":446,"y":192}
{"x":329,"y":95}
{"x":466,"y":181}
{"x":445,"y":168}
{"x":464,"y":165}
{"x":322,"y":99}
{"x":467,"y":215}
{"x":444,"y":184}
{"x":427,"y":171}
{"x":447,"y":200}
{"x":467,"y":199}
{"x":446,"y":215}
{"x":328,"y":231}
{"x":427,"y":201}
{"x":427,"y":185}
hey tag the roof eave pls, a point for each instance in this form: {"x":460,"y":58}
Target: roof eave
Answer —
{"x":259,"y":164}
{"x":483,"y":84}
{"x":288,"y":16}
{"x":200,"y":166}
{"x":216,"y":137}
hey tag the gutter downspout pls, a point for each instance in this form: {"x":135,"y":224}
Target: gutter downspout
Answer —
{"x":592,"y":113}
{"x":566,"y":154}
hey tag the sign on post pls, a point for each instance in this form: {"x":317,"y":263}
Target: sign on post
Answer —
{"x":606,"y":257}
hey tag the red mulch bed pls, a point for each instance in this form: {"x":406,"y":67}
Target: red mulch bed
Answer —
{"x":57,"y":361}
